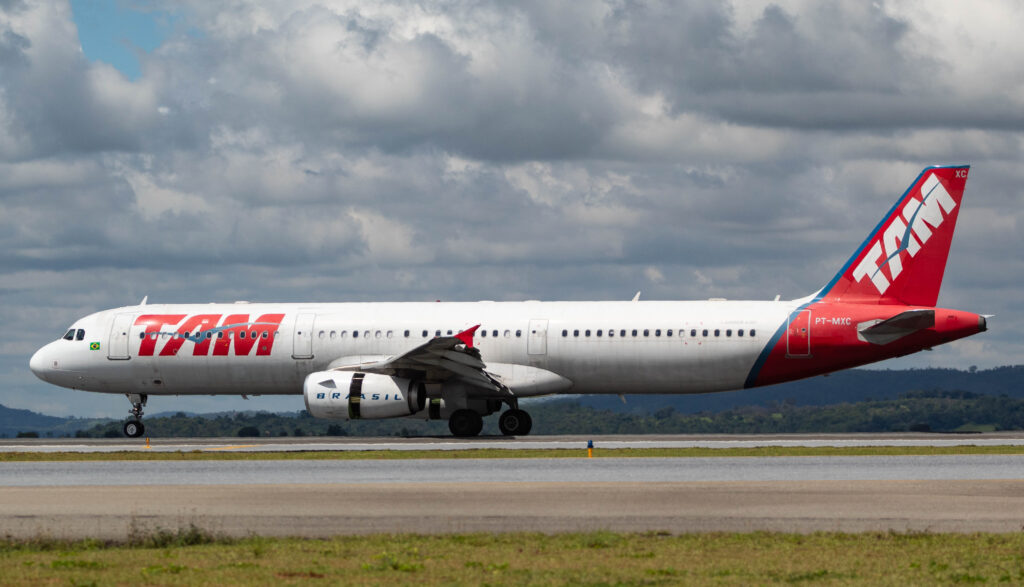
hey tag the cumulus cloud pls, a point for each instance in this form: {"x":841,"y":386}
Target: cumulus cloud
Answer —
{"x":339,"y":150}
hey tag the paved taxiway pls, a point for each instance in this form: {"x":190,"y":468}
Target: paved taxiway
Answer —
{"x":500,"y":442}
{"x":108,"y":499}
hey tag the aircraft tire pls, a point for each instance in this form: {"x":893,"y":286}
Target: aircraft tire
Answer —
{"x":465,"y":423}
{"x":134,"y":429}
{"x":515,"y":422}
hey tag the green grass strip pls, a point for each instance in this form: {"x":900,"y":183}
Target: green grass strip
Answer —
{"x":491,"y":453}
{"x":191,"y":557}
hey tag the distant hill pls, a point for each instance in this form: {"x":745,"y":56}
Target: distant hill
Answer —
{"x":13,"y":421}
{"x":846,"y":387}
{"x":855,"y":385}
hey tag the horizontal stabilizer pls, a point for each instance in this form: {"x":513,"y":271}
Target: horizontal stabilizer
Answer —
{"x":892,"y":329}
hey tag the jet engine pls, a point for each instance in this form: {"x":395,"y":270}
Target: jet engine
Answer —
{"x":347,"y":395}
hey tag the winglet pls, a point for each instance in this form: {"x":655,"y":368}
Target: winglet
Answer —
{"x":466,"y":336}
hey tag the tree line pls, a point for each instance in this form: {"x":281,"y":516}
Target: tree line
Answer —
{"x":936,"y":411}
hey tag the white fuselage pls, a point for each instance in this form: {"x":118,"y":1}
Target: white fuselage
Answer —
{"x":600,"y":347}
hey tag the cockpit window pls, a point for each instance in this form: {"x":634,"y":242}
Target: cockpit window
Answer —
{"x":70,"y":335}
{"x":81,"y":334}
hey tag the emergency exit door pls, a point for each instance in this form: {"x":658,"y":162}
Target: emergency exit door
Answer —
{"x":302,"y":342}
{"x":537,"y":341}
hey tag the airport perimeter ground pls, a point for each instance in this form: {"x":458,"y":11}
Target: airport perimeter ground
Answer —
{"x":893,"y":518}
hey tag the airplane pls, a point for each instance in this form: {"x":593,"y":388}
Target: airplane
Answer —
{"x":462,"y":361}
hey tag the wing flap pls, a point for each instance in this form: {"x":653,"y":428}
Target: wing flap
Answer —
{"x":437,"y":360}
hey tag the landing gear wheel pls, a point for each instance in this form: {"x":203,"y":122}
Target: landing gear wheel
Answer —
{"x":134,"y":429}
{"x":465,"y":423}
{"x":515,"y":423}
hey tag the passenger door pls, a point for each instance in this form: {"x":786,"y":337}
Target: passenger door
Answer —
{"x":798,"y":335}
{"x":117,"y":342}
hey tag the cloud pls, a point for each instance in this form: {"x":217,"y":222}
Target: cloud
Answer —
{"x":334,"y":151}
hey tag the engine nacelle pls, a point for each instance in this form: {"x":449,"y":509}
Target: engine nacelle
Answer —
{"x":347,"y":395}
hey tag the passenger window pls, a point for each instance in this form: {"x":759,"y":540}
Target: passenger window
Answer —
{"x":728,"y":332}
{"x":519,"y":333}
{"x":717,"y":332}
{"x":391,"y":333}
{"x":752,"y":332}
{"x":634,"y":332}
{"x":508,"y":333}
{"x":657,"y":332}
{"x":704,"y":332}
{"x":587,"y":332}
{"x":437,"y":333}
{"x":575,"y":332}
{"x":693,"y":332}
{"x":739,"y":332}
{"x":425,"y":333}
{"x":407,"y":334}
{"x":623,"y":332}
{"x":70,"y":334}
{"x":599,"y":332}
{"x":494,"y":333}
{"x":80,"y":335}
{"x":449,"y":333}
{"x":668,"y":333}
{"x":355,"y":334}
{"x":142,"y":335}
{"x":242,"y":334}
{"x":611,"y":333}
{"x":483,"y":333}
{"x":647,"y":332}
{"x":221,"y":334}
{"x":265,"y":334}
{"x":565,"y":333}
{"x":321,"y":335}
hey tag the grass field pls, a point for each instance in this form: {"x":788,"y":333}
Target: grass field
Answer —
{"x":768,"y":451}
{"x":603,"y":558}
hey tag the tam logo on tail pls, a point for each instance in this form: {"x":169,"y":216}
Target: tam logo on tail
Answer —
{"x":904,"y":258}
{"x":899,"y":236}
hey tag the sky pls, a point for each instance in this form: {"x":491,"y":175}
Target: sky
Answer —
{"x":195,"y":151}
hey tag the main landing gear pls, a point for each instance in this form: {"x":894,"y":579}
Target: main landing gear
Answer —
{"x":467,"y":423}
{"x":133,"y":428}
{"x":515,"y":422}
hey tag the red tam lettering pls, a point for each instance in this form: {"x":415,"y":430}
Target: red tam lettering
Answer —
{"x":154,"y":323}
{"x":188,"y":329}
{"x":246,"y":334}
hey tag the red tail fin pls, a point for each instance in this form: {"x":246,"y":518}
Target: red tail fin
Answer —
{"x":903,"y":259}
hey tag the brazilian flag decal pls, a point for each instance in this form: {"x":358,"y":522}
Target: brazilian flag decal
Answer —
{"x":94,"y":346}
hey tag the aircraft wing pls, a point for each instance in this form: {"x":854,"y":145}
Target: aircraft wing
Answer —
{"x":439,"y":359}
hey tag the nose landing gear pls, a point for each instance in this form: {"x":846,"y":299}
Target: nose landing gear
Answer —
{"x":133,"y":428}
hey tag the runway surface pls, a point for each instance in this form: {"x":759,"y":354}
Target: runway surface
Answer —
{"x":533,"y":470}
{"x":500,"y":442}
{"x":110,"y":499}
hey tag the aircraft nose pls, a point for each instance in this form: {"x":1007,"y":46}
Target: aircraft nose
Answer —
{"x":40,"y":363}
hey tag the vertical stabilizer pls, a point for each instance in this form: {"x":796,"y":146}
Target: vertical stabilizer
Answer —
{"x":903,"y":259}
